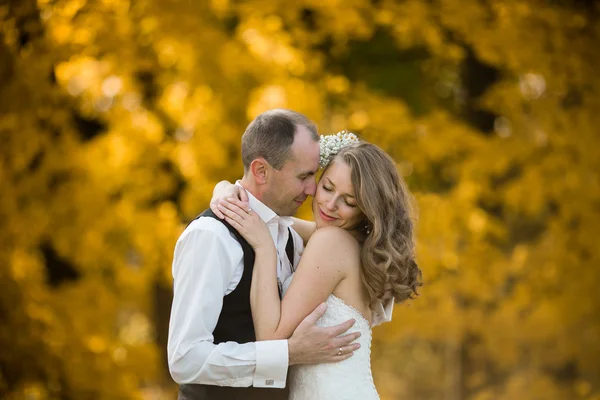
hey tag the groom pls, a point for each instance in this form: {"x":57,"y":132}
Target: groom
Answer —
{"x":212,"y":349}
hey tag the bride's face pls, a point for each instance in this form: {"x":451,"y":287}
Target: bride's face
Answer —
{"x":334,"y":203}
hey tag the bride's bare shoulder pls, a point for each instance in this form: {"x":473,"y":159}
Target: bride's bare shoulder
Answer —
{"x":332,"y":238}
{"x":332,"y":249}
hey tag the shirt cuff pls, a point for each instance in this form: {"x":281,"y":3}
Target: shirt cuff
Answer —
{"x":271,"y":364}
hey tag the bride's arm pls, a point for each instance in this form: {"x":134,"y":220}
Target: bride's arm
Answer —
{"x":317,"y":275}
{"x":264,"y":292}
{"x":224,"y":190}
{"x":319,"y":272}
{"x":304,"y":228}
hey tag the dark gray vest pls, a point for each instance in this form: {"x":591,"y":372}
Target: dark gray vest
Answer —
{"x":235,"y":325}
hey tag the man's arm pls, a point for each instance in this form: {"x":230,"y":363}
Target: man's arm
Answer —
{"x":205,"y":265}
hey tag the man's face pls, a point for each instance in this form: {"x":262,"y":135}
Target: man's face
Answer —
{"x":291,"y":185}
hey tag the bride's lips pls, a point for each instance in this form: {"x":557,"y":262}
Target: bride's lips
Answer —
{"x":326,"y":217}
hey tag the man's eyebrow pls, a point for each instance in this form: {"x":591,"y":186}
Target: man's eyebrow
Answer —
{"x":307,"y":173}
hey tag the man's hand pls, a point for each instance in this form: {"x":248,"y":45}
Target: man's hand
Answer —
{"x":311,"y":344}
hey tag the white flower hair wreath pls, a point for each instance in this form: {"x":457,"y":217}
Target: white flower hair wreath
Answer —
{"x":331,"y":145}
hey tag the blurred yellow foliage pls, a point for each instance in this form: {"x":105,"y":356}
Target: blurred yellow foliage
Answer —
{"x":117,"y":118}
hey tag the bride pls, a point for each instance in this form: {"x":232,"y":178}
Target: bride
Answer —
{"x":359,"y":259}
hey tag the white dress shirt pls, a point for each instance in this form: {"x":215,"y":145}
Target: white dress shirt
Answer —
{"x":207,"y":265}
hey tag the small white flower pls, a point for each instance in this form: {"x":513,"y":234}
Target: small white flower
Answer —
{"x":330,"y":145}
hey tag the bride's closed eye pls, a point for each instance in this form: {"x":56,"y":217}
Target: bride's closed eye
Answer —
{"x":330,"y":189}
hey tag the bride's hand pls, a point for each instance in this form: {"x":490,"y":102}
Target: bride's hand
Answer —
{"x":247,"y":223}
{"x":225,"y":190}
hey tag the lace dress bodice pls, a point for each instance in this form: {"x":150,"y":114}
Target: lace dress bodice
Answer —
{"x":348,"y":379}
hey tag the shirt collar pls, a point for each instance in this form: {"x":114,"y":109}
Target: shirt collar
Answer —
{"x":286,"y":222}
{"x":264,"y":212}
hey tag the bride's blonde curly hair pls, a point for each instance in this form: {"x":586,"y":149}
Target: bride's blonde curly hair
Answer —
{"x":388,"y":251}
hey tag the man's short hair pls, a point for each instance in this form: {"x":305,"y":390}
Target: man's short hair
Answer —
{"x":270,"y":136}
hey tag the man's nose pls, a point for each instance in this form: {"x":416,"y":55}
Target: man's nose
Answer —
{"x":311,"y":188}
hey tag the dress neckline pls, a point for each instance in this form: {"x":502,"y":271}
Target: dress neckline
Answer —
{"x":354,"y":309}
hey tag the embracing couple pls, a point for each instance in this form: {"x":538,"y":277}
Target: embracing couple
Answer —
{"x":267,"y":306}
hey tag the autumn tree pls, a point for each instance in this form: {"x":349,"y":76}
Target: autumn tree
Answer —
{"x":117,"y":118}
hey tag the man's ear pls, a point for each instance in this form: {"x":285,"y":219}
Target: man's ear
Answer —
{"x":259,"y":169}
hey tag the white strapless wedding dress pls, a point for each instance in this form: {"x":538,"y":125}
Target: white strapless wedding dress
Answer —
{"x":344,"y":380}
